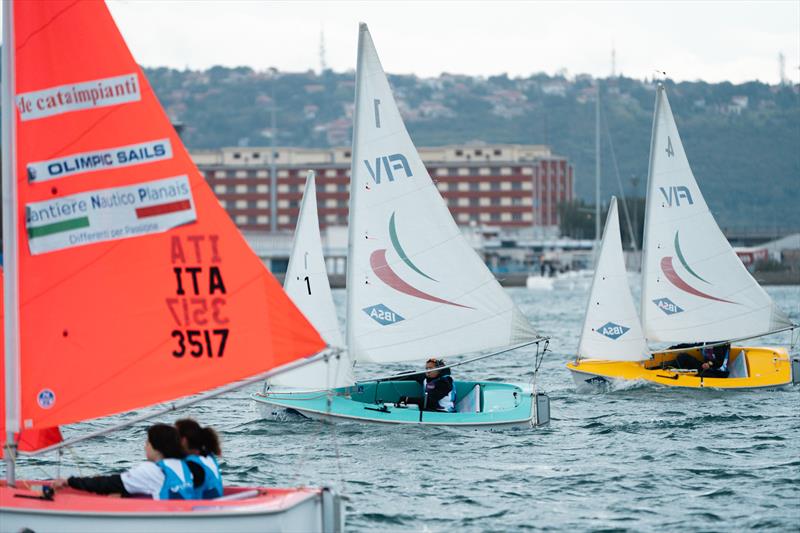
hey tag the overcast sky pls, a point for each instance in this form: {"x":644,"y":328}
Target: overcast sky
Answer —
{"x":713,"y":41}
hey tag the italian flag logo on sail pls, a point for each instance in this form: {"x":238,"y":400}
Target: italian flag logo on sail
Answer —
{"x":109,"y":214}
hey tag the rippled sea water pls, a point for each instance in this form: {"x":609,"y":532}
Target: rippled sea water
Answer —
{"x":638,"y":459}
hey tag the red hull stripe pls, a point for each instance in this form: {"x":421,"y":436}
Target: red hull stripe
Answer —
{"x":672,"y":276}
{"x":385,"y":273}
{"x":163,"y":209}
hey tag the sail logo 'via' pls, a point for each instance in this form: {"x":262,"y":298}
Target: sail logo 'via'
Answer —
{"x":612,"y":331}
{"x":386,"y":274}
{"x":382,"y":315}
{"x":387,"y":165}
{"x":674,"y":193}
{"x":668,"y":306}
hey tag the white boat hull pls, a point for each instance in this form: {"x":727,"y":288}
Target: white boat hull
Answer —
{"x":289,"y":511}
{"x":539,"y":283}
{"x":338,"y":419}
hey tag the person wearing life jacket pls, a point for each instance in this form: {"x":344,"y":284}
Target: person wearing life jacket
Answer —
{"x":164,"y":476}
{"x":202,"y":448}
{"x":439,"y":393}
{"x":714,"y":363}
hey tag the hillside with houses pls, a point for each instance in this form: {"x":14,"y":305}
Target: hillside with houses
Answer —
{"x":741,"y":139}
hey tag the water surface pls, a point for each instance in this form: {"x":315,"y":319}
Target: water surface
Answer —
{"x":640,"y":459}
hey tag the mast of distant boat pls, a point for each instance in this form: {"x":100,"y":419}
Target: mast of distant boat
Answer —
{"x":10,"y":247}
{"x":597,"y":235}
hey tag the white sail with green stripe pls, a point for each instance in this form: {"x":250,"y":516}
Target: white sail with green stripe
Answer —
{"x":416,"y":288}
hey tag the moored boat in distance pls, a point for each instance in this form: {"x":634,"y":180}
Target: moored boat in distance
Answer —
{"x":125,"y":283}
{"x":696,"y":294}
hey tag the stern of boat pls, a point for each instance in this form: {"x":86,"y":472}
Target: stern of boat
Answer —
{"x":541,"y":409}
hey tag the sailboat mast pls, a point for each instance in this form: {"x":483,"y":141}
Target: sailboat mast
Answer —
{"x":597,"y":167}
{"x":351,"y":226}
{"x":648,"y":211}
{"x":10,"y":245}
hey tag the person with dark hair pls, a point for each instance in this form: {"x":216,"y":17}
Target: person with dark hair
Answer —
{"x":201,"y":445}
{"x":439,"y":393}
{"x":164,"y":476}
{"x":714,"y":363}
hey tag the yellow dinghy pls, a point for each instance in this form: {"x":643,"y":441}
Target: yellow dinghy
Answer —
{"x":694,"y":288}
{"x":764,"y":367}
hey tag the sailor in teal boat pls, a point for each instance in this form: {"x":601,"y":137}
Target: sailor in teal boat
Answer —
{"x":438,"y":393}
{"x":164,"y":476}
{"x":202,"y":448}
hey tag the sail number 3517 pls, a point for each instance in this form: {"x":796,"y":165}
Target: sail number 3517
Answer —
{"x":200,"y":342}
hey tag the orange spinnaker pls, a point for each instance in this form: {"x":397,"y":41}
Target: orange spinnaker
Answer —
{"x":124,"y":322}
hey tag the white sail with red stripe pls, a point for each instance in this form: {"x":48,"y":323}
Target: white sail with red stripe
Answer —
{"x":694,"y":287}
{"x":416,"y":288}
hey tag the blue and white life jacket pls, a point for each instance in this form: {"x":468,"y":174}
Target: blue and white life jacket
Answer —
{"x":178,"y":481}
{"x":448,"y":402}
{"x":212,"y":484}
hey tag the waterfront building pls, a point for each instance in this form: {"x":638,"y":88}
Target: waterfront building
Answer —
{"x":485,"y":185}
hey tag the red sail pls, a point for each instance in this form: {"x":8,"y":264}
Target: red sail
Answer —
{"x":30,"y":439}
{"x":135,"y":286}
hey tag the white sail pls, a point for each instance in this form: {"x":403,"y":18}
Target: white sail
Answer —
{"x":694,"y":286}
{"x":307,"y":285}
{"x":415,"y":286}
{"x":611,"y":328}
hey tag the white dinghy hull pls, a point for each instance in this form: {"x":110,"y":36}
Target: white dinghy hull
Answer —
{"x":265,"y":510}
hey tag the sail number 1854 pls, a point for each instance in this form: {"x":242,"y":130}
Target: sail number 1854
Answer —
{"x":200,"y":342}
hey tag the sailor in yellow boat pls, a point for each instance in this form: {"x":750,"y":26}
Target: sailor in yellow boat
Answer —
{"x":694,"y":287}
{"x":714,"y":363}
{"x":164,"y":476}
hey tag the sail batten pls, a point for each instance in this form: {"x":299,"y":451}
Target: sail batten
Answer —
{"x":135,"y":286}
{"x":416,"y":288}
{"x":694,"y":287}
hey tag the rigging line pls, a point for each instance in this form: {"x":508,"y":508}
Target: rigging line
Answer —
{"x":342,"y":481}
{"x":631,"y":231}
{"x":713,"y":320}
{"x":438,"y":333}
{"x":41,"y":28}
{"x":489,"y":279}
{"x":186,"y":402}
{"x":721,"y":343}
{"x":453,"y":365}
{"x":85,"y":132}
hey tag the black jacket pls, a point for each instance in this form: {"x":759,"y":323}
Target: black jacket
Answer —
{"x":113,"y":484}
{"x":436,"y":388}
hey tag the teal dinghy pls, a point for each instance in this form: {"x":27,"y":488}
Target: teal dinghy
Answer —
{"x":416,"y":289}
{"x":479,"y":405}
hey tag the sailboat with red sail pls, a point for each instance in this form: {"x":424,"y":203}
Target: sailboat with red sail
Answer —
{"x":125,"y":283}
